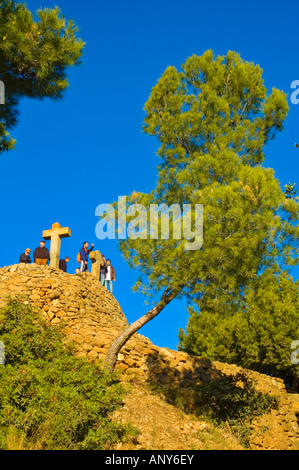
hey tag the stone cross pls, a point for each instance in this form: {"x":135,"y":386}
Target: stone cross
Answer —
{"x":97,"y":262}
{"x":55,"y":235}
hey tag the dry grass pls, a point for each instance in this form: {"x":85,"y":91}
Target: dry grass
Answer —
{"x":16,"y":440}
{"x":164,"y":427}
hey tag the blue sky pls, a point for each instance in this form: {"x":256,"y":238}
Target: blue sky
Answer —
{"x":89,"y":148}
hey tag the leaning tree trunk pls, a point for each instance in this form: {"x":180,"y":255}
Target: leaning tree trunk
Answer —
{"x":121,"y":340}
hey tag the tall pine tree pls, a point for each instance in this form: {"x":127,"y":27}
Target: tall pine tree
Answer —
{"x":212,"y":120}
{"x":34,"y":56}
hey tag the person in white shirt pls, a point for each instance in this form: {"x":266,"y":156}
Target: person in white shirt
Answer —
{"x":109,"y":276}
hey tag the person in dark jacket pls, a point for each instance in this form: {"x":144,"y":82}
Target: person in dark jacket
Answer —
{"x":25,"y":257}
{"x":103,"y":271}
{"x":84,"y":252}
{"x":63,"y":264}
{"x":41,"y":254}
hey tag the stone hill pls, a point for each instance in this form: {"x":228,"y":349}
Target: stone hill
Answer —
{"x":93,"y":318}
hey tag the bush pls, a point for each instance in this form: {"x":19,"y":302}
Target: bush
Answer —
{"x":234,"y":400}
{"x":231,"y":400}
{"x":49,"y":398}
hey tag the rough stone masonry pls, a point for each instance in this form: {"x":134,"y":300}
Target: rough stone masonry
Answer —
{"x":93,"y":318}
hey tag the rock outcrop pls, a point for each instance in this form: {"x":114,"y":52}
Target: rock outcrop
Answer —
{"x":93,"y":318}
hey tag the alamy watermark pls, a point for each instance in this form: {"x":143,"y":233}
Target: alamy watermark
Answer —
{"x":295,"y":354}
{"x":295,"y":95}
{"x":163,"y":222}
{"x":2,"y":93}
{"x":2,"y":353}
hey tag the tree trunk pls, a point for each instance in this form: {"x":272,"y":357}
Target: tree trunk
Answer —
{"x":121,"y":340}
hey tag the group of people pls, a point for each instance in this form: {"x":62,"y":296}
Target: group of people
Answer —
{"x":107,"y":273}
{"x":41,"y":256}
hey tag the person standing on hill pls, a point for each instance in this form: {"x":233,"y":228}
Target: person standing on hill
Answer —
{"x":103,"y":271}
{"x":25,"y":257}
{"x":41,"y":254}
{"x":84,"y":252}
{"x":109,"y":276}
{"x":63,"y":264}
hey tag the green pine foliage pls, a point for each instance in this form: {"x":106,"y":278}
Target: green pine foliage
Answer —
{"x":49,"y":398}
{"x":258,"y":335}
{"x":35,"y":52}
{"x":213,"y":119}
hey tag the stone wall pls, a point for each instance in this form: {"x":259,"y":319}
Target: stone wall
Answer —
{"x":93,"y":318}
